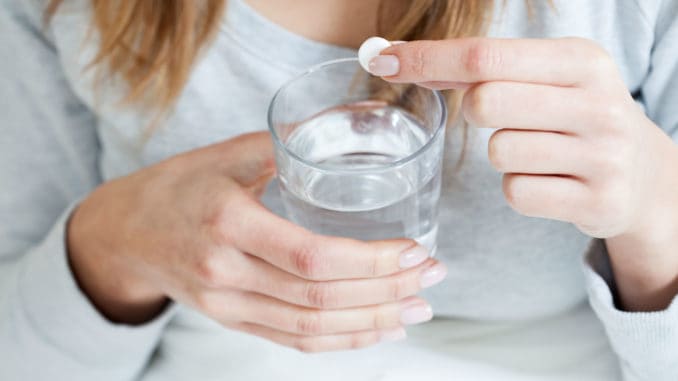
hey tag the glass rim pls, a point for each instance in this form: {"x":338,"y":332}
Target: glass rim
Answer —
{"x":400,"y":162}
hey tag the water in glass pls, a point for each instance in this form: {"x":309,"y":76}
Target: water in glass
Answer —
{"x":351,"y":191}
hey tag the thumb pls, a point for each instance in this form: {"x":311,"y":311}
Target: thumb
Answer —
{"x":249,"y":160}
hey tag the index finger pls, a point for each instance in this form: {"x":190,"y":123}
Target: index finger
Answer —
{"x":561,"y":62}
{"x":311,"y":256}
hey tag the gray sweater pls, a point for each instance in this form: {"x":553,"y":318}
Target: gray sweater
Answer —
{"x":517,"y":291}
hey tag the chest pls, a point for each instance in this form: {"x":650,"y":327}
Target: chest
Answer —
{"x":231,"y":86}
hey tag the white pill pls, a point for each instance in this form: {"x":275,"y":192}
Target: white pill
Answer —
{"x":370,"y":49}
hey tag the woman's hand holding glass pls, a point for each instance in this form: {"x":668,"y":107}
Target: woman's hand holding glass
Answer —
{"x":191,"y":229}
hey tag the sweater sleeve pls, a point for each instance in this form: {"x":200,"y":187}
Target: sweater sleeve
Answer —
{"x":645,"y":342}
{"x":48,"y":159}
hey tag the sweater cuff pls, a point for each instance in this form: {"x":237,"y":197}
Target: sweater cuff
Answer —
{"x":646,"y":342}
{"x":63,"y":316}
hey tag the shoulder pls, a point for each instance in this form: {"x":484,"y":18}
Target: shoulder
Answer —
{"x":62,"y":46}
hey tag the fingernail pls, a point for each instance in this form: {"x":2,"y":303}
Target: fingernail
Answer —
{"x":397,"y":42}
{"x":433,"y":275}
{"x":416,"y":313}
{"x":413,"y":257}
{"x":392,"y":334}
{"x":384,"y":66}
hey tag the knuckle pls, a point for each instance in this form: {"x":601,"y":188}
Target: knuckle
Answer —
{"x":310,"y":323}
{"x":321,"y":295}
{"x":380,"y":319}
{"x":497,"y":150}
{"x":308,"y":261}
{"x":596,"y":60}
{"x":306,"y":345}
{"x":205,"y":303}
{"x":419,"y":62}
{"x":480,"y":104}
{"x":519,"y":197}
{"x":614,"y":114}
{"x":217,"y":220}
{"x":362,"y":340}
{"x":609,"y":163}
{"x":213,"y":222}
{"x":400,"y":288}
{"x":510,"y":190}
{"x":209,"y":272}
{"x":600,"y":60}
{"x":375,"y":266}
{"x":482,"y":58}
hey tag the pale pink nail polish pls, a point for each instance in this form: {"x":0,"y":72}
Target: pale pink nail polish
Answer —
{"x":416,"y":313}
{"x":392,"y":334}
{"x":432,"y":275}
{"x":384,"y":66}
{"x":413,"y":257}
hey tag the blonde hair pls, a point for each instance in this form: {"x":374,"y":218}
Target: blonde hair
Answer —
{"x":153,"y":44}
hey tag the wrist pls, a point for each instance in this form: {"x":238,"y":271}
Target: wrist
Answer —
{"x":645,"y":267}
{"x":112,"y":285}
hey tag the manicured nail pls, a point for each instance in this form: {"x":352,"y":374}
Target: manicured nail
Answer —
{"x":384,"y":66}
{"x":416,"y":313}
{"x":433,"y":275}
{"x":392,"y":334}
{"x":397,"y":42}
{"x":413,"y":257}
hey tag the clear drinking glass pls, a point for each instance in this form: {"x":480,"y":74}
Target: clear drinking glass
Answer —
{"x":359,"y":157}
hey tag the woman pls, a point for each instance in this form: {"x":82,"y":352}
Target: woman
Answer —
{"x":134,"y":214}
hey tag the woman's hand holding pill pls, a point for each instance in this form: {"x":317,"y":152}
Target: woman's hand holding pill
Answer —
{"x":571,"y":142}
{"x":191,"y":229}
